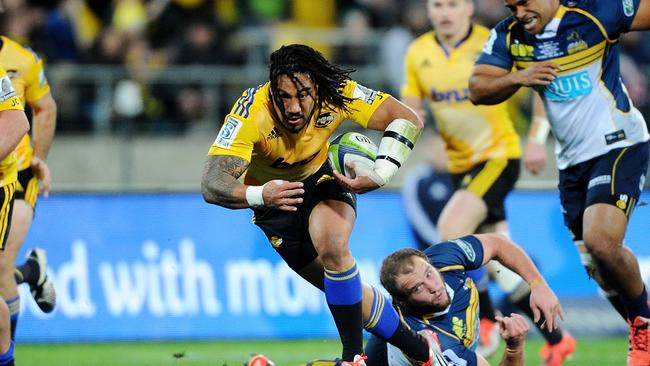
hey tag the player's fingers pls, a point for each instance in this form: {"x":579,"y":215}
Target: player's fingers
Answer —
{"x":536,"y":313}
{"x":292,"y":192}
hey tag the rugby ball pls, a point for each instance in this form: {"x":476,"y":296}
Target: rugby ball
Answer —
{"x":351,"y":147}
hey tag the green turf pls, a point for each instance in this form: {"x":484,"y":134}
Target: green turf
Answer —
{"x":590,"y":352}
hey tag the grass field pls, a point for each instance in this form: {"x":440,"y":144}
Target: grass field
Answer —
{"x":590,"y":352}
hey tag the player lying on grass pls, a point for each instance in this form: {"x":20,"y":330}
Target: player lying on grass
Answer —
{"x":431,"y":290}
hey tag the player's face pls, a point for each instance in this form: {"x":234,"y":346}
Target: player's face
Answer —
{"x":450,"y":17}
{"x":298,"y":98}
{"x":425,"y":288}
{"x":533,"y":14}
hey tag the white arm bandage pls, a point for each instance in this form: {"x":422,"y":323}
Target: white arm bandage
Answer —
{"x":254,"y":196}
{"x":395,"y":147}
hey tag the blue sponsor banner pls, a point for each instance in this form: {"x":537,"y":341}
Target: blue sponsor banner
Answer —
{"x":169,"y":266}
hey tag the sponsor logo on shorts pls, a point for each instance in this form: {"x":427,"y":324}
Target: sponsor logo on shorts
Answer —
{"x":275,"y":241}
{"x":601,"y":179}
{"x":622,"y":201}
{"x":615,"y":136}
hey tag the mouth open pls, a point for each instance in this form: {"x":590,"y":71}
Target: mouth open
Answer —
{"x":530,"y":22}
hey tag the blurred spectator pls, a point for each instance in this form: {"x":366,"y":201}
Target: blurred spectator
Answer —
{"x":356,"y":50}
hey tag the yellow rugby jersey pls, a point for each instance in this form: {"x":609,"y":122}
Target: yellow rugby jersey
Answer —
{"x":251,"y":131}
{"x":8,"y":100}
{"x":472,"y":134}
{"x":25,"y":69}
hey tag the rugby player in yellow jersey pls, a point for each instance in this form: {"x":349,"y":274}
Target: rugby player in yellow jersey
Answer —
{"x":25,"y":69}
{"x":276,"y":139}
{"x":483,"y":152}
{"x":13,"y":126}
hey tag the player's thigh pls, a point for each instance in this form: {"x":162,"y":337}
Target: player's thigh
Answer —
{"x":615,"y":184}
{"x":462,"y":215}
{"x":21,"y":220}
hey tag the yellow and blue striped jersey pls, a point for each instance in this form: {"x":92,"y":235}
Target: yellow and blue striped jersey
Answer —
{"x":8,"y":100}
{"x":251,"y":131}
{"x":25,"y":69}
{"x":473,"y":134}
{"x":588,"y":107}
{"x":457,"y":326}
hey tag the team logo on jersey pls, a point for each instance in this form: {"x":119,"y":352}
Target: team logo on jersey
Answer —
{"x":325,"y":119}
{"x":366,"y":94}
{"x":575,"y":43}
{"x":628,"y":8}
{"x":466,"y":248}
{"x":6,"y":89}
{"x":569,"y":87}
{"x":228,"y":132}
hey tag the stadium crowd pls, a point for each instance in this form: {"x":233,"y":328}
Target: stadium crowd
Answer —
{"x":143,"y":35}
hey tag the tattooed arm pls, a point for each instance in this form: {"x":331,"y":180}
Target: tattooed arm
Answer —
{"x":220,"y":186}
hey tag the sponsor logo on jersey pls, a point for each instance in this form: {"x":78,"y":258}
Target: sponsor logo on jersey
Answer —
{"x":274,"y":134}
{"x":521,"y":51}
{"x":569,"y":87}
{"x":6,"y":89}
{"x":614,"y":137}
{"x":365,"y":94}
{"x":228,"y":132}
{"x":575,"y":43}
{"x":466,"y":248}
{"x":601,"y":179}
{"x":628,"y":8}
{"x":325,"y":119}
{"x":453,"y":95}
{"x":458,"y":325}
{"x":549,"y":49}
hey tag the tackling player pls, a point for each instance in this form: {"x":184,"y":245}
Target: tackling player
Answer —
{"x":276,"y":139}
{"x":25,"y":69}
{"x":431,"y":290}
{"x":568,"y":52}
{"x":483,"y":153}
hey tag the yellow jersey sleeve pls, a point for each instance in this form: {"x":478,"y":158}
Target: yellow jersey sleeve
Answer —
{"x":411,"y":87}
{"x":36,"y":85}
{"x":365,"y":102}
{"x":237,"y":137}
{"x":8,"y":97}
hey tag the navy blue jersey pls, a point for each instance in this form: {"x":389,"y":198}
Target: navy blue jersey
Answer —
{"x":457,"y":326}
{"x":588,"y":107}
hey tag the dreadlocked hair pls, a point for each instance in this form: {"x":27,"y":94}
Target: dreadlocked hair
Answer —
{"x":330,"y":79}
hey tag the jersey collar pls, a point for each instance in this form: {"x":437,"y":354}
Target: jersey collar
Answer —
{"x":458,"y":44}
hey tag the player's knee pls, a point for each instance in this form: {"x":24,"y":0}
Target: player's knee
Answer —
{"x":601,"y":243}
{"x":335,"y":257}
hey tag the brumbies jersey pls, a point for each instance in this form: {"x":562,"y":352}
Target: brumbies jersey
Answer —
{"x":251,"y":131}
{"x":8,"y":100}
{"x":588,"y":107}
{"x":456,"y":326}
{"x":25,"y":69}
{"x":472,"y":134}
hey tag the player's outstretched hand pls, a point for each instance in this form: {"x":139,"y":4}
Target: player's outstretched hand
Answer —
{"x":363,"y":178}
{"x":513,"y":329}
{"x":535,"y":157}
{"x":538,"y":73}
{"x":544,"y":302}
{"x":283,"y":195}
{"x":42,"y":173}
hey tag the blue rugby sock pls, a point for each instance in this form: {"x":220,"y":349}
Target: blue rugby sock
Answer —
{"x":343,"y":294}
{"x":385,"y":323}
{"x":7,"y":358}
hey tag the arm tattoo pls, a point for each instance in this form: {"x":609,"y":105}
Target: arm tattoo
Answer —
{"x":219,"y":181}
